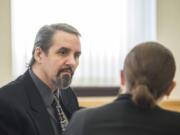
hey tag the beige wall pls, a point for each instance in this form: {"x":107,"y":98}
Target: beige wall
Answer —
{"x":168,"y":32}
{"x":5,"y":49}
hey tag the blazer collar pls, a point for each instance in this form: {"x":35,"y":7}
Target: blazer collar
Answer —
{"x":37,"y":109}
{"x":123,"y":97}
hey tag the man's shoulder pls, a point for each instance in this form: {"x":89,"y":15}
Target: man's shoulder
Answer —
{"x":12,"y":85}
{"x":18,"y":82}
{"x":13,"y":90}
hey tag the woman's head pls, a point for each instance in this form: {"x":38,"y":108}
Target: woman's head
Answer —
{"x":149,"y":70}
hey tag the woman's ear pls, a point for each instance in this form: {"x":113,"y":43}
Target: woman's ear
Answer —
{"x":122,"y":79}
{"x":170,"y":88}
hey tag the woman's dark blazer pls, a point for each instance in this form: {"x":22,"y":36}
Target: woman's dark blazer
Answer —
{"x":123,"y":117}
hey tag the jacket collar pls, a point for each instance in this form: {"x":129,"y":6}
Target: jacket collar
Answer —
{"x":123,"y":97}
{"x":37,"y":109}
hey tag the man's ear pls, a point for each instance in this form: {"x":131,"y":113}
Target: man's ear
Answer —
{"x":170,"y":88}
{"x":38,"y":54}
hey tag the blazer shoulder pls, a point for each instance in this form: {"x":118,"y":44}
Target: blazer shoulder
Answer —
{"x":14,"y":91}
{"x":18,"y":82}
{"x":13,"y":85}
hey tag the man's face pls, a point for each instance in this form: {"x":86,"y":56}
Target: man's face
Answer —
{"x":61,"y":60}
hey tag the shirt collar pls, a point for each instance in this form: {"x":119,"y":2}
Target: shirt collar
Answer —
{"x":45,"y":92}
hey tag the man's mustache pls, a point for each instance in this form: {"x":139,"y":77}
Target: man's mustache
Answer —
{"x":66,"y":69}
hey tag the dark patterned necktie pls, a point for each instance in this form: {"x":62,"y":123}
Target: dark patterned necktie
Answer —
{"x":62,"y":118}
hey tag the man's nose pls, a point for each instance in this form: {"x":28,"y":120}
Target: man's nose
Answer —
{"x":71,"y":61}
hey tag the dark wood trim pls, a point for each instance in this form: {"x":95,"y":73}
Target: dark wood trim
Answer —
{"x":95,"y":91}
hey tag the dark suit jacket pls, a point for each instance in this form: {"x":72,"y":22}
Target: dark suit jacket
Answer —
{"x":123,"y":117}
{"x":23,"y":112}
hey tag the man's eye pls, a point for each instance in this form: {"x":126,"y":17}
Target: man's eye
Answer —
{"x":63,"y":51}
{"x":77,"y":55}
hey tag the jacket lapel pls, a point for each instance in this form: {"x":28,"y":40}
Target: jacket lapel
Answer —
{"x":37,"y":109}
{"x":69,"y":101}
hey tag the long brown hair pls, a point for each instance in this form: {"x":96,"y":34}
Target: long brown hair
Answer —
{"x":149,"y":69}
